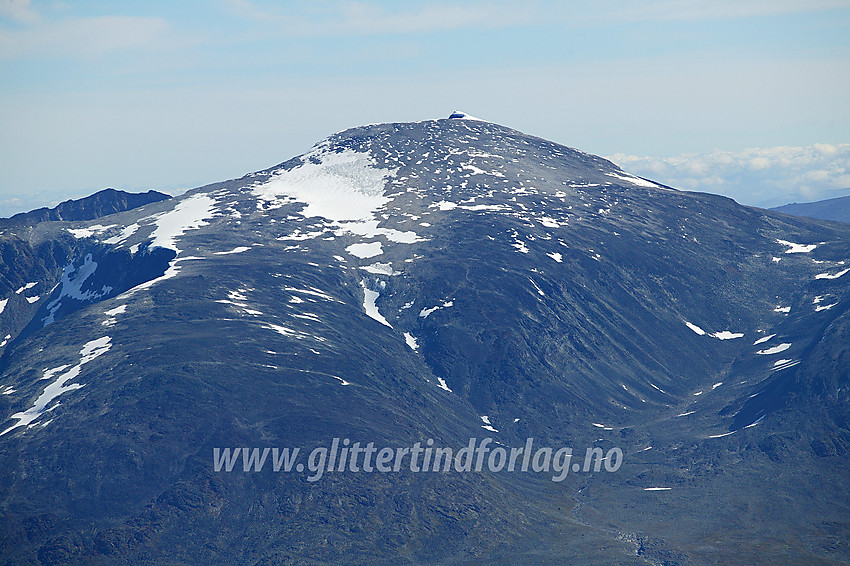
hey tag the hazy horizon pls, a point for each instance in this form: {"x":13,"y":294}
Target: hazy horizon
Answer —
{"x":749,"y":100}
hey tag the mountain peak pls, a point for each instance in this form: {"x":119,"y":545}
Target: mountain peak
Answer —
{"x":425,"y":282}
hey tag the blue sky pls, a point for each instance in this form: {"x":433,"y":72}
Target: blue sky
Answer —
{"x":745,"y":98}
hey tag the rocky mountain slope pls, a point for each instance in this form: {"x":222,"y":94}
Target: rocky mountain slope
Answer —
{"x":439,"y":280}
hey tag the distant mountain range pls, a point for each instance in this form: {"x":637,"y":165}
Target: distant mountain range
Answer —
{"x":102,"y":203}
{"x":414,"y":285}
{"x":837,"y":209}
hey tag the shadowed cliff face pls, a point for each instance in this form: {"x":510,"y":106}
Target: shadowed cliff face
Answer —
{"x":442,"y":280}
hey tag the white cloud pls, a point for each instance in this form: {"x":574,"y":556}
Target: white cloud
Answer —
{"x":75,"y":37}
{"x":759,"y":176}
{"x":19,"y":10}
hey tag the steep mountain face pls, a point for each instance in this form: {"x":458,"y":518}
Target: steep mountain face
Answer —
{"x":440,"y":280}
{"x":837,"y":209}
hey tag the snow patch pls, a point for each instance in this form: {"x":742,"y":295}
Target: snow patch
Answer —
{"x":381,"y":269}
{"x":484,"y":207}
{"x":727,"y":335}
{"x":344,"y":186}
{"x":411,"y":341}
{"x":369,"y":298}
{"x":25,"y":287}
{"x":633,"y":180}
{"x":71,"y":287}
{"x":189,"y":214}
{"x":775,"y":349}
{"x":784,"y":365}
{"x":444,"y":205}
{"x":722,"y":435}
{"x":475,"y":170}
{"x":370,"y":229}
{"x":89,"y":352}
{"x":487,"y":424}
{"x":539,"y":290}
{"x":311,"y":291}
{"x":549,"y":222}
{"x":298,"y":236}
{"x":121,"y":309}
{"x":796,"y":248}
{"x":236,"y":250}
{"x":112,"y":313}
{"x":828,"y":276}
{"x":425,"y":312}
{"x":695,"y":328}
{"x":90,"y":231}
{"x":172,"y":271}
{"x":125,"y":234}
{"x":288,"y":332}
{"x":366,"y":250}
